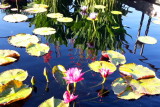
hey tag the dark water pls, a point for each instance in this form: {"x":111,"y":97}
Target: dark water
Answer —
{"x":74,"y":54}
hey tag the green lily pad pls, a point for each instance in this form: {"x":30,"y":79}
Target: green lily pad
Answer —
{"x":58,"y":73}
{"x":136,"y":71}
{"x":54,"y":15}
{"x":116,"y":12}
{"x":40,"y":6}
{"x":97,"y":65}
{"x":115,"y":57}
{"x":52,"y":102}
{"x":13,"y":74}
{"x":38,"y":49}
{"x":44,"y":31}
{"x":23,"y":40}
{"x":15,"y":18}
{"x":8,"y":56}
{"x":14,"y":91}
{"x":35,"y":10}
{"x":147,"y":39}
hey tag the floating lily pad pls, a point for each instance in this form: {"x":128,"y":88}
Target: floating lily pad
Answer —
{"x":123,"y":90}
{"x":55,"y":15}
{"x":8,"y":56}
{"x":65,"y":19}
{"x":147,"y":39}
{"x":44,"y":31}
{"x":116,"y":12}
{"x":15,"y":18}
{"x":14,"y":9}
{"x":38,"y":49}
{"x":156,"y":21}
{"x":35,"y":10}
{"x":136,"y":71}
{"x":99,"y":6}
{"x":40,"y":6}
{"x":13,"y":74}
{"x":115,"y":27}
{"x":4,"y":6}
{"x":115,"y":57}
{"x":97,"y":65}
{"x":13,"y":91}
{"x":23,"y":40}
{"x":52,"y":102}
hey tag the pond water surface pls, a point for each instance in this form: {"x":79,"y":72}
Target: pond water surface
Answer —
{"x":70,"y":47}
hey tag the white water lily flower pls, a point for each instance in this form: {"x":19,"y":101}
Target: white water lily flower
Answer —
{"x":65,"y":19}
{"x":54,"y":15}
{"x":35,"y":10}
{"x":22,"y":40}
{"x":44,"y":31}
{"x":15,"y":18}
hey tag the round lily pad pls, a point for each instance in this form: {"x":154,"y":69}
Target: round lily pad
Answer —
{"x":8,"y":56}
{"x":115,"y":57}
{"x":15,"y":18}
{"x":14,"y":91}
{"x":54,"y":15}
{"x":65,"y":19}
{"x":99,"y":6}
{"x":156,"y":21}
{"x":147,"y":39}
{"x":23,"y":40}
{"x":4,"y":6}
{"x":13,"y":74}
{"x":136,"y":71}
{"x":38,"y":49}
{"x":40,"y":6}
{"x":97,"y":65}
{"x":116,"y":12}
{"x":35,"y":10}
{"x":44,"y":31}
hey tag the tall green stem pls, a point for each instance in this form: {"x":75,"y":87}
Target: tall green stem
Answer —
{"x":94,"y":25}
{"x":104,"y":80}
{"x":75,"y":84}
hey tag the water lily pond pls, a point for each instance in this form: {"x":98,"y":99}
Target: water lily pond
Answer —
{"x":83,"y":53}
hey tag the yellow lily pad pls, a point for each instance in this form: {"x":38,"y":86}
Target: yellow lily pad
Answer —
{"x":14,"y":91}
{"x":156,"y":21}
{"x":23,"y":40}
{"x":54,"y":15}
{"x":52,"y":102}
{"x":4,"y":6}
{"x":35,"y":10}
{"x":38,"y":49}
{"x":97,"y":65}
{"x":13,"y":74}
{"x":15,"y":18}
{"x":65,"y":19}
{"x":99,"y":6}
{"x":8,"y":56}
{"x":147,"y":39}
{"x":44,"y":31}
{"x":40,"y":6}
{"x":116,"y":12}
{"x":115,"y":57}
{"x":136,"y":71}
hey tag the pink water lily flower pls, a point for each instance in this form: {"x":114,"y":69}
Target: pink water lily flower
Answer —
{"x":73,"y":75}
{"x":105,"y":72}
{"x":93,"y":16}
{"x":68,"y":97}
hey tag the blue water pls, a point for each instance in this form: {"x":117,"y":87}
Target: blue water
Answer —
{"x":69,"y":56}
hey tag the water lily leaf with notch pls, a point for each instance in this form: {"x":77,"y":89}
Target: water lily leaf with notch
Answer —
{"x":52,"y":102}
{"x":97,"y":65}
{"x":123,"y":90}
{"x":23,"y":40}
{"x":13,"y":91}
{"x":35,"y":10}
{"x":147,"y":39}
{"x":54,"y":15}
{"x":8,"y":56}
{"x":116,"y":12}
{"x":115,"y":57}
{"x":136,"y":71}
{"x":38,"y":49}
{"x":44,"y":31}
{"x":149,"y":86}
{"x":58,"y":73}
{"x":15,"y":18}
{"x":4,"y":6}
{"x":13,"y":74}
